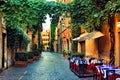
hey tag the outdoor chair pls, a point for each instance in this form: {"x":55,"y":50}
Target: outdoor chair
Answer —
{"x":112,"y":75}
{"x":117,"y":78}
{"x":97,"y":74}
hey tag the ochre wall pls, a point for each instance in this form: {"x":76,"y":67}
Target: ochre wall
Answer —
{"x":66,"y":35}
{"x":104,"y":43}
{"x":79,"y":47}
{"x":91,"y":48}
{"x":0,"y":40}
{"x":99,"y":47}
{"x":3,"y":31}
{"x":36,"y":39}
{"x":45,"y":35}
{"x":30,"y":41}
{"x":117,"y":40}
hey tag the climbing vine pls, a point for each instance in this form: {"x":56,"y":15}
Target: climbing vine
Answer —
{"x":55,"y":12}
{"x":75,"y":30}
{"x":112,"y":8}
{"x":81,"y":12}
{"x":90,"y":15}
{"x":24,"y":13}
{"x":16,"y":38}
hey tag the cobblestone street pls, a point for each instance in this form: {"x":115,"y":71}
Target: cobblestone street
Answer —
{"x":59,"y":39}
{"x":51,"y":66}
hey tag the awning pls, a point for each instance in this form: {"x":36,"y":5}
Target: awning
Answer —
{"x":92,"y":35}
{"x":81,"y":37}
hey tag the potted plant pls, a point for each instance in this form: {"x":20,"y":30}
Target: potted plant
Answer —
{"x":81,"y":55}
{"x":30,"y":57}
{"x":65,"y":54}
{"x":39,"y":50}
{"x":36,"y":55}
{"x":21,"y":59}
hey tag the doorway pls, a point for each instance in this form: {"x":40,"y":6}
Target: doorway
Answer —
{"x":119,"y":48}
{"x":67,"y":45}
{"x":3,"y":49}
{"x":82,"y":46}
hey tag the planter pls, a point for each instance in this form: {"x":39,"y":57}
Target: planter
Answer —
{"x":66,"y":56}
{"x":21,"y":63}
{"x":30,"y":60}
{"x":36,"y":57}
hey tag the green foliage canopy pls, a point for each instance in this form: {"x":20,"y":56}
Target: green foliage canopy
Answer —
{"x":24,"y":13}
{"x":55,"y":10}
{"x":83,"y":12}
{"x":16,"y":38}
{"x":90,"y":14}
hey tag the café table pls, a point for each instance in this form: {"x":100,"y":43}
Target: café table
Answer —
{"x":107,"y":70}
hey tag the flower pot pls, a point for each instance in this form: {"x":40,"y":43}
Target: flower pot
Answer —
{"x":36,"y":57}
{"x":66,"y":56}
{"x":30,"y":60}
{"x":21,"y":63}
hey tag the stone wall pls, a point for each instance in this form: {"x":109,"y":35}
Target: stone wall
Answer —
{"x":104,"y":43}
{"x":0,"y":40}
{"x":5,"y":57}
{"x":117,"y":40}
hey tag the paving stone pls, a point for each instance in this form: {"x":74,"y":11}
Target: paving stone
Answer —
{"x":51,"y":66}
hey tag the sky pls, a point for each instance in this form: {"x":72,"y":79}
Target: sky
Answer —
{"x":46,"y":25}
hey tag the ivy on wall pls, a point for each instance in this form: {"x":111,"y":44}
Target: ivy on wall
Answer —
{"x":75,"y":30}
{"x":112,"y":8}
{"x":23,"y":13}
{"x":16,"y":38}
{"x":53,"y":26}
{"x":90,"y":15}
{"x":55,"y":11}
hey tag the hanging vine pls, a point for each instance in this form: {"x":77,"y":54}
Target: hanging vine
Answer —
{"x":16,"y":38}
{"x":81,"y":12}
{"x":112,"y":7}
{"x":22,"y":13}
{"x":55,"y":11}
{"x":91,"y":14}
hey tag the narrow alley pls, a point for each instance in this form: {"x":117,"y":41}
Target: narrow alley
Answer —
{"x":51,"y":66}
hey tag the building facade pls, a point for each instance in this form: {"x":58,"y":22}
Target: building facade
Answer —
{"x":95,"y":44}
{"x":98,"y":43}
{"x":46,"y":39}
{"x":5,"y":57}
{"x":63,"y":33}
{"x":117,"y":40}
{"x":30,"y":40}
{"x":56,"y":40}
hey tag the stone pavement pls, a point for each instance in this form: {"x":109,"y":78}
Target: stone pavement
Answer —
{"x":51,"y":66}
